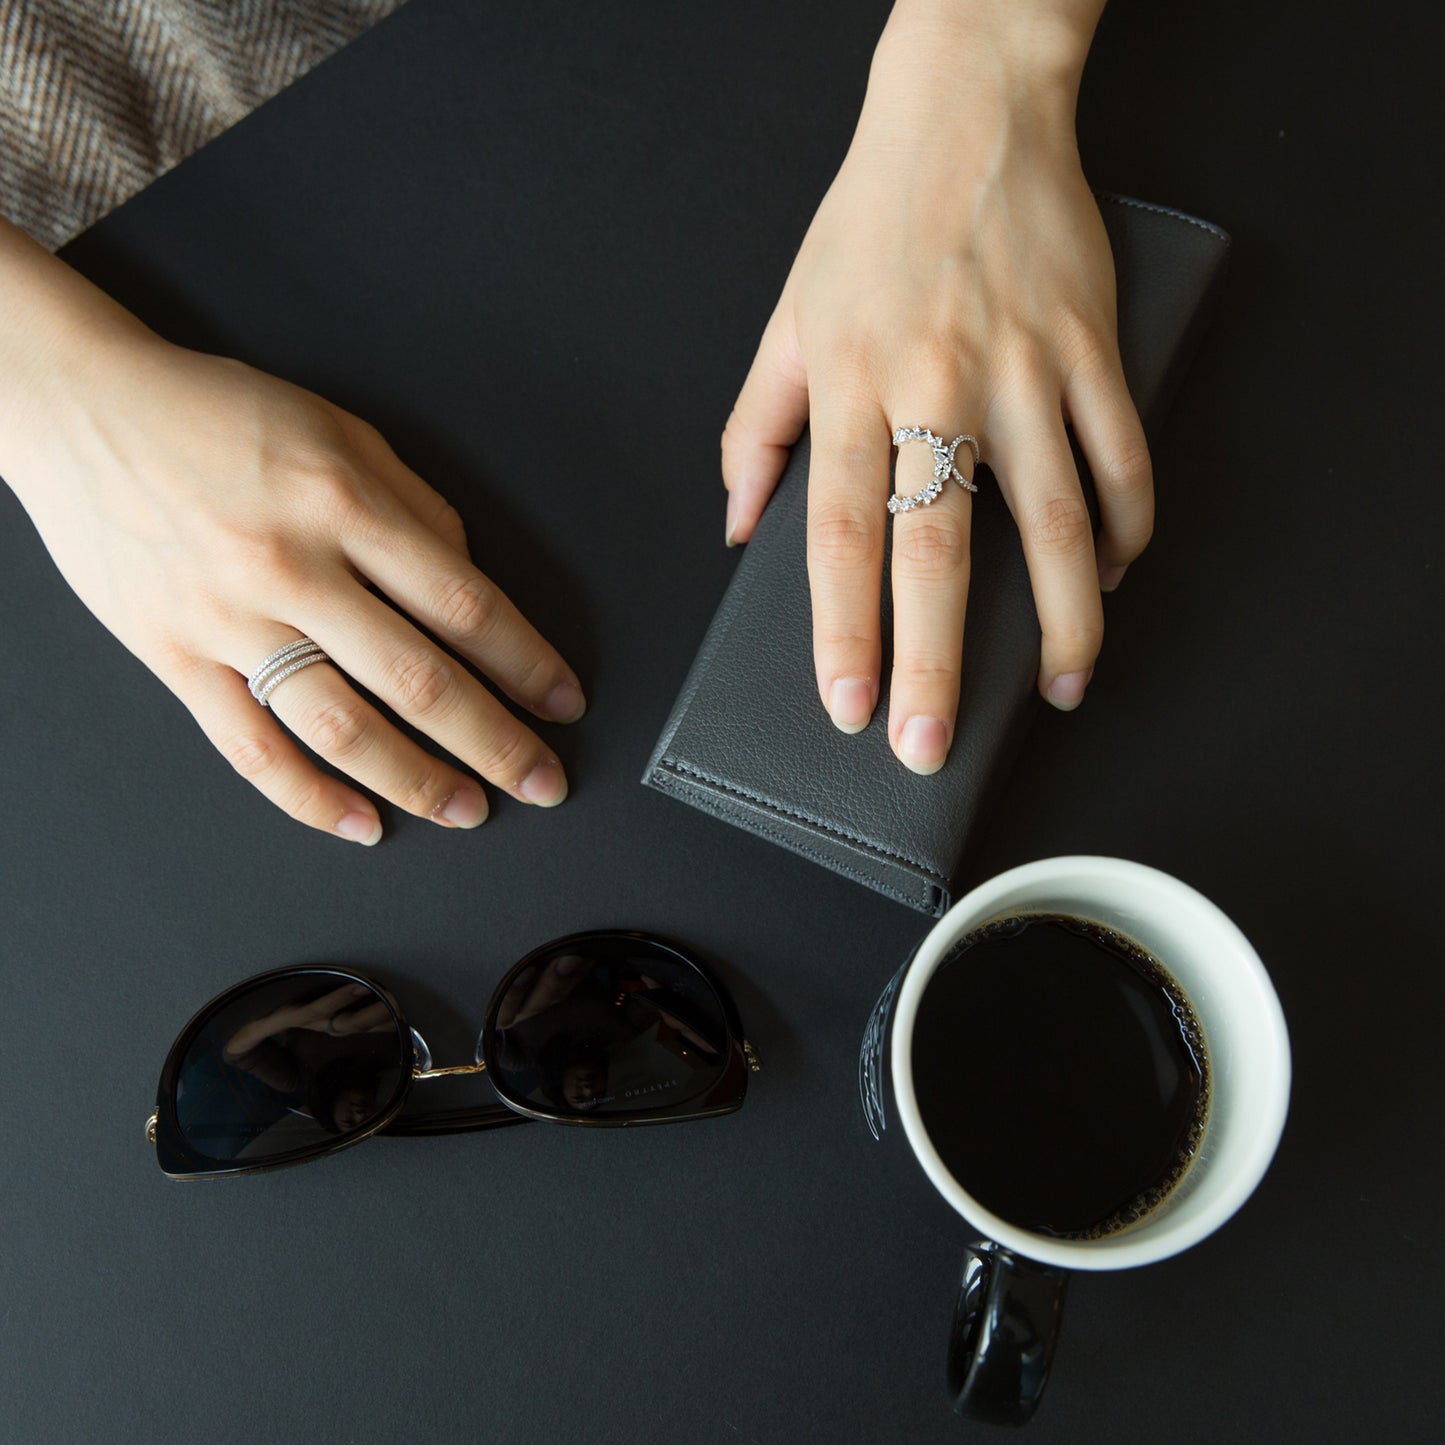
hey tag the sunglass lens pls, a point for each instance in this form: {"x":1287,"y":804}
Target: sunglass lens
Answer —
{"x":606,"y":1026}
{"x":291,"y":1065}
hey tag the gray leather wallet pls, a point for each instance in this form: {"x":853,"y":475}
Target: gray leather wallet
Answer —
{"x":748,"y":740}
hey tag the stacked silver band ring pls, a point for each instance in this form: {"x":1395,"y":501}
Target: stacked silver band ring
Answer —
{"x":943,"y":467}
{"x":281,"y":664}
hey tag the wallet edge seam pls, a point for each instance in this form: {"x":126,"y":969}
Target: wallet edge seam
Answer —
{"x":692,"y":789}
{"x":687,"y":770}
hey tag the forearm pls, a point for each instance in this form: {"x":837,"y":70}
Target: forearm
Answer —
{"x":57,"y":328}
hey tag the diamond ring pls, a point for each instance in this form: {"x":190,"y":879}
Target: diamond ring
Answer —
{"x":943,"y":467}
{"x":281,"y":664}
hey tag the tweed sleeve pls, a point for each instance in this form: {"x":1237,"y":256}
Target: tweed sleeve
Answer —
{"x":99,"y":97}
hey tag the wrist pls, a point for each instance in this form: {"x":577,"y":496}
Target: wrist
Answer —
{"x":960,"y":56}
{"x":63,"y":337}
{"x":1044,"y":39}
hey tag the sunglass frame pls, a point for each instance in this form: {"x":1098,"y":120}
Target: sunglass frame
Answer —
{"x":180,"y":1160}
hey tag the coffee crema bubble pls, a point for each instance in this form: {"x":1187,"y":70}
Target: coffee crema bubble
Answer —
{"x":1061,"y":1074}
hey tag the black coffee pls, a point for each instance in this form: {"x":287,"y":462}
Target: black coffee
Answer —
{"x":1061,"y":1074}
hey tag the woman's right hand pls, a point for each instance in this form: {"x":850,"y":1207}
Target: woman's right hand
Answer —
{"x":209,"y":514}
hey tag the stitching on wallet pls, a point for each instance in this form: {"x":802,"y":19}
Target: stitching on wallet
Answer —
{"x":791,"y":842}
{"x":1163,"y":211}
{"x":812,"y":822}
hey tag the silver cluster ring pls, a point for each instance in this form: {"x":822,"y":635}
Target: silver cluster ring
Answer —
{"x":281,"y":664}
{"x":943,"y":467}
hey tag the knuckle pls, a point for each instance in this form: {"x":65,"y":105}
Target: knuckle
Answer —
{"x":936,"y":365}
{"x":510,"y":757}
{"x":336,"y":729}
{"x":334,"y":489}
{"x":832,"y":643}
{"x":841,"y":539}
{"x":365,"y":433}
{"x":336,"y":500}
{"x":270,"y":559}
{"x":173,"y":660}
{"x":252,"y":755}
{"x":1127,"y":470}
{"x":467,"y":606}
{"x":1059,"y":526}
{"x":930,"y":548}
{"x":1139,"y":539}
{"x":420,"y":682}
{"x":1075,"y":641}
{"x":734,"y":435}
{"x":739,"y":445}
{"x":421,"y":792}
{"x":919,"y":673}
{"x":311,"y":801}
{"x":537,"y":677}
{"x":1026,"y":366}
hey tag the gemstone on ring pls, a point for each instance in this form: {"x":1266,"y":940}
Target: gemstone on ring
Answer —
{"x":943,"y":467}
{"x":281,"y":664}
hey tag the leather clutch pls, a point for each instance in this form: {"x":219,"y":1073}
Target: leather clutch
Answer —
{"x":748,"y":740}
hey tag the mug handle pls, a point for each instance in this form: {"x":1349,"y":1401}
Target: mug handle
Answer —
{"x":1005,"y":1326}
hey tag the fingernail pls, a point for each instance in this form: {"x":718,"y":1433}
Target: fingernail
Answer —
{"x":364,"y":828}
{"x":923,"y":744}
{"x":466,"y":808}
{"x":545,"y":785}
{"x":1066,"y":692}
{"x":850,"y":704}
{"x":1110,"y":577}
{"x":730,"y":525}
{"x":565,"y":703}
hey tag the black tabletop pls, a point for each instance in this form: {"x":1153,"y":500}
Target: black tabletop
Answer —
{"x":536,"y":244}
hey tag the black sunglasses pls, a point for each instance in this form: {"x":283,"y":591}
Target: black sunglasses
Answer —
{"x":596,"y":1029}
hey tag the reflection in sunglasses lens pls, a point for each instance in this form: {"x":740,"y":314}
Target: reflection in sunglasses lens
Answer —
{"x":291,"y":1063}
{"x":606,"y":1027}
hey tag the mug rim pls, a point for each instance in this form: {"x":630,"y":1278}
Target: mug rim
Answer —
{"x":1121,"y":1250}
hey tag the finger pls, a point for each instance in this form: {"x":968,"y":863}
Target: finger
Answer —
{"x":767,"y":418}
{"x":336,"y":1001}
{"x":470,"y":613}
{"x":1112,"y":438}
{"x":321,"y":708}
{"x":847,"y":513}
{"x":378,"y":647}
{"x":930,"y":593}
{"x":1035,"y":471}
{"x":426,"y":504}
{"x":514,"y":997}
{"x":551,"y":988}
{"x":257,"y":746}
{"x":362,"y":1020}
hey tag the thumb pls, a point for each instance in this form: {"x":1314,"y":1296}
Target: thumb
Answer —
{"x":767,"y":418}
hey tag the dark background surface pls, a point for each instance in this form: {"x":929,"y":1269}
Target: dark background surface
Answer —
{"x":536,"y":244}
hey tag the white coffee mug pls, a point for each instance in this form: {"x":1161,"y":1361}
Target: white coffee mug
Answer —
{"x":1014,"y":1278}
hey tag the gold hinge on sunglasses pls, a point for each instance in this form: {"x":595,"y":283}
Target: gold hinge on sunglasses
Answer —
{"x":151,"y":1128}
{"x":754,"y":1062}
